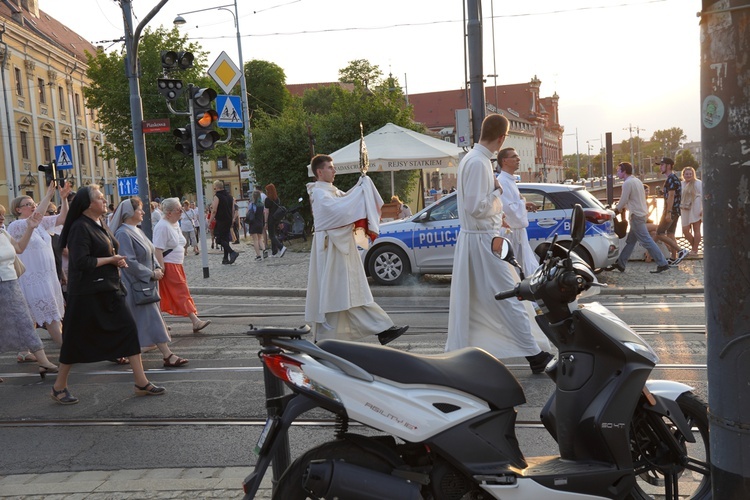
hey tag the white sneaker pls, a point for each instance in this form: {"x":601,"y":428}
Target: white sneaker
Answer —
{"x":281,"y":252}
{"x":680,"y":256}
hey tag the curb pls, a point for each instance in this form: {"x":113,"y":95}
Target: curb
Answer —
{"x":443,"y":291}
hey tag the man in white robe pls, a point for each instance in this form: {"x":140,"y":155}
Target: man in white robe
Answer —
{"x":516,"y":210}
{"x":339,"y":302}
{"x":475,"y":318}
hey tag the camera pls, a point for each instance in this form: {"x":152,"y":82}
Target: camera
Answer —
{"x":51,"y":173}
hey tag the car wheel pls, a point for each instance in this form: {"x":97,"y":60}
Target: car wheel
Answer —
{"x":388,"y":265}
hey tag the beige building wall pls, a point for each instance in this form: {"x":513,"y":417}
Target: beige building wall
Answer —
{"x":43,"y":68}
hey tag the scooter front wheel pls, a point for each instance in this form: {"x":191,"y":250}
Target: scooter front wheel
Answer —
{"x":663,"y":473}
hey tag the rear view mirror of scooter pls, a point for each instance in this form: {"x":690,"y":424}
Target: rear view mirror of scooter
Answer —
{"x":503,"y":250}
{"x":577,"y":226}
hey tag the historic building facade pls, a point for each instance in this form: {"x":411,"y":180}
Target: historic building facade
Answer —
{"x":43,"y":74}
{"x":535,"y":131}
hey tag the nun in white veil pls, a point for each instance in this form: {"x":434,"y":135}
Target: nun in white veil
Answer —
{"x":142,"y":268}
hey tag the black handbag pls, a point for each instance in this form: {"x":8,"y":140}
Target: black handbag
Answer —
{"x":145,"y":293}
{"x":621,"y":226}
{"x":280,"y":212}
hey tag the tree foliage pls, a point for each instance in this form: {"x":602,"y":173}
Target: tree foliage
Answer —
{"x":361,"y":73}
{"x":282,"y":145}
{"x":685,"y":158}
{"x":671,"y":139}
{"x":170,"y":172}
{"x":266,"y":84}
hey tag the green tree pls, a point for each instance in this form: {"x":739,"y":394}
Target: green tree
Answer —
{"x":684,"y":159}
{"x":170,"y":172}
{"x":670,"y":139}
{"x":361,"y":73}
{"x":266,"y":84}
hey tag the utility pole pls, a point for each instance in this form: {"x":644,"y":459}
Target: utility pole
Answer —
{"x":132,"y":70}
{"x":725,"y":139}
{"x":476,"y":73}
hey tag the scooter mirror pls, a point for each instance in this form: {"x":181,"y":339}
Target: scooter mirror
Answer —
{"x":577,"y":226}
{"x":501,"y":247}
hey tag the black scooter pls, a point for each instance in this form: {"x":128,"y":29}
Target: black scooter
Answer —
{"x":444,"y":425}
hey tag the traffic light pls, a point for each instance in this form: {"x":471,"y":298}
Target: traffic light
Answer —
{"x":185,"y":135}
{"x":204,"y":118}
{"x":171,"y":60}
{"x":169,"y":88}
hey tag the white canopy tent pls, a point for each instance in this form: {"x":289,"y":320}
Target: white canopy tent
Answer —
{"x":392,"y":148}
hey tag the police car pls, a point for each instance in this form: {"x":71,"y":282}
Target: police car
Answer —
{"x":424,"y":243}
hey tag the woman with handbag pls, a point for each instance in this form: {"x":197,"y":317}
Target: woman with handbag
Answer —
{"x":140,"y":278}
{"x":173,"y":288}
{"x":18,"y":332}
{"x":274,"y":212}
{"x":98,"y":325}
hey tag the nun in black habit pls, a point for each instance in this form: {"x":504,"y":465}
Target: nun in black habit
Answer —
{"x":98,"y":324}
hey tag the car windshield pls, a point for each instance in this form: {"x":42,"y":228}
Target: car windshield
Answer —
{"x":446,"y":210}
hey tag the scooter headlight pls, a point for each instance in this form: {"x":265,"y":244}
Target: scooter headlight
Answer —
{"x":643,"y":350}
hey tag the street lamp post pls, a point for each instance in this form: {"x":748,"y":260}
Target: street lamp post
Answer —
{"x":179,"y":20}
{"x":578,"y":156}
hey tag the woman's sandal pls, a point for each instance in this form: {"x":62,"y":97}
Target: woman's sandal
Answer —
{"x":201,"y":325}
{"x":26,"y":358}
{"x":177,"y":363}
{"x":149,"y":390}
{"x":66,"y":399}
{"x":121,"y":361}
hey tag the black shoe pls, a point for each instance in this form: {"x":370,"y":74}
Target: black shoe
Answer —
{"x":233,"y":256}
{"x":391,"y":334}
{"x":661,"y":269}
{"x":618,"y":266}
{"x":538,"y":362}
{"x":225,"y":261}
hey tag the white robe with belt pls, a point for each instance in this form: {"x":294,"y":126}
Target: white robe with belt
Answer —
{"x":475,"y":318}
{"x":337,"y":286}
{"x":517,"y":217}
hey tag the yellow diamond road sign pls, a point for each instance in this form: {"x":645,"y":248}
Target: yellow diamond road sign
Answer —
{"x":224,"y":72}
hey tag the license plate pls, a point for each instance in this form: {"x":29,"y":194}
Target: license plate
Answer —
{"x":270,"y":424}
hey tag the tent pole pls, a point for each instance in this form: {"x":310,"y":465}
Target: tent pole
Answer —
{"x":393,"y":184}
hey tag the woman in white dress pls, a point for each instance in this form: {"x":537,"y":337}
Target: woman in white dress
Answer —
{"x":39,"y":283}
{"x":691,"y":208}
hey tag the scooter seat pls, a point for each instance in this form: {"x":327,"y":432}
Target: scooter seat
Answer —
{"x":471,"y":370}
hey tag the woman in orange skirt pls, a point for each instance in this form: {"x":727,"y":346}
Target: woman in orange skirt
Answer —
{"x":169,"y":243}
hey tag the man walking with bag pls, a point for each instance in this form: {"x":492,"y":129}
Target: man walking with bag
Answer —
{"x":633,"y":198}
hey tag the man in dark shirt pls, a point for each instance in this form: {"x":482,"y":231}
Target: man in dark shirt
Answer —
{"x":668,"y":224}
{"x":222,"y":209}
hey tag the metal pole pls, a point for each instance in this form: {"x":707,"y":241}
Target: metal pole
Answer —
{"x":12,"y":186}
{"x":198,"y":183}
{"x":476,"y":73}
{"x":578,"y":156}
{"x":724,"y":136}
{"x":243,"y":88}
{"x":136,"y":105}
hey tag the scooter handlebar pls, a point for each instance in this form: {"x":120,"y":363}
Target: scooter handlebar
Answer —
{"x":508,"y":293}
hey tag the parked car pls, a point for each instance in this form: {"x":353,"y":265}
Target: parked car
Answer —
{"x":425,"y":242}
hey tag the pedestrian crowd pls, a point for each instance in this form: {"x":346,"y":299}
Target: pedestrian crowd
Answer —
{"x":88,"y":274}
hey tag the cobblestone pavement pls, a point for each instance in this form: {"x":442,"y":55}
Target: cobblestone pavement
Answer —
{"x":287,"y":274}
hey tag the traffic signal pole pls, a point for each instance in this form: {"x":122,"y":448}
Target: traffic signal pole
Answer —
{"x":725,"y":140}
{"x":132,"y":38}
{"x":198,"y":185}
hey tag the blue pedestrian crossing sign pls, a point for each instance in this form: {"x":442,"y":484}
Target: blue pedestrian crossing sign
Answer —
{"x":63,"y":156}
{"x":127,"y":186}
{"x":230,"y":111}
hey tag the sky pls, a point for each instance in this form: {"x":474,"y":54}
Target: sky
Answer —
{"x":616,"y":65}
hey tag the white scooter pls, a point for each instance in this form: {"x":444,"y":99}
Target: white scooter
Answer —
{"x":445,"y":424}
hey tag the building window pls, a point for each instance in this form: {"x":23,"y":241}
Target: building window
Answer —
{"x":81,"y":155}
{"x":96,"y":156}
{"x":47,"y":148}
{"x":24,"y":145}
{"x":222,"y":163}
{"x":61,"y":97}
{"x":77,"y":99}
{"x":19,"y":80}
{"x":42,"y":96}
